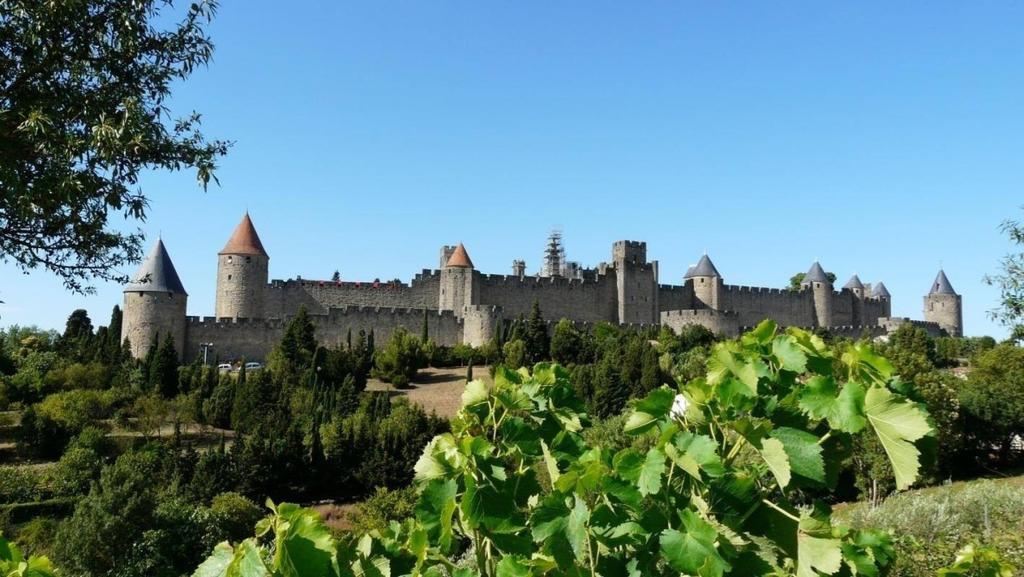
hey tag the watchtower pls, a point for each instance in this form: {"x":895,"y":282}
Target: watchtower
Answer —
{"x":242,"y":273}
{"x":857,"y":288}
{"x":943,"y":306}
{"x":155,"y":303}
{"x":821,"y":288}
{"x":457,"y":280}
{"x":707,"y":284}
{"x":637,"y":282}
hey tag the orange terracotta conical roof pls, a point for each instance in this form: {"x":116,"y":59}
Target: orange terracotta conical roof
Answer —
{"x":459,"y":258}
{"x":244,"y":240}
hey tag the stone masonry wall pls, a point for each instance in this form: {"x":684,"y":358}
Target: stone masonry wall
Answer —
{"x":754,"y":304}
{"x":147,"y":314}
{"x":283,"y":298}
{"x":252,"y":339}
{"x":720,"y":323}
{"x":674,"y":297}
{"x":583,"y":300}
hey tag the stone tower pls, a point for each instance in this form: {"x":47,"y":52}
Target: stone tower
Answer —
{"x":821,"y":288}
{"x":637,"y":282}
{"x":857,"y":288}
{"x":881,"y":293}
{"x":242,"y":273}
{"x":154,"y":304}
{"x":943,"y":306}
{"x":707,"y":284}
{"x":457,"y":279}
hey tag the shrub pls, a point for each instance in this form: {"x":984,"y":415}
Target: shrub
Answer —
{"x":399,"y":360}
{"x":382,"y":507}
{"x":19,"y":484}
{"x":232,"y":516}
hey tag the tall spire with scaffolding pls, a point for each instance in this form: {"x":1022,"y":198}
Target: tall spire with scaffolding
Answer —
{"x":554,"y":255}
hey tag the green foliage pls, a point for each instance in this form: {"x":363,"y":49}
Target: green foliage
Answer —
{"x":400,"y":359}
{"x":381,"y":508}
{"x":796,"y":280}
{"x":14,"y":564}
{"x":993,"y":399}
{"x":977,"y":562}
{"x":569,"y":345}
{"x":162,"y":375}
{"x":1010,"y":282}
{"x":515,"y":353}
{"x":718,"y":491}
{"x":73,"y":152}
{"x":535,"y":335}
{"x":932,"y":525}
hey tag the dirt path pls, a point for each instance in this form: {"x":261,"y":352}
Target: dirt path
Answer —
{"x":438,"y":390}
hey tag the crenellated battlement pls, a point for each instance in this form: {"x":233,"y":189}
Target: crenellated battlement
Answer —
{"x":497,"y":280}
{"x":696,"y":313}
{"x":733,"y":288}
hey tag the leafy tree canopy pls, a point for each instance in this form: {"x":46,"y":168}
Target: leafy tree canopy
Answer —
{"x":83,"y":92}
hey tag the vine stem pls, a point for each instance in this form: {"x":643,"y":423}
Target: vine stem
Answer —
{"x":780,"y":510}
{"x":824,"y":437}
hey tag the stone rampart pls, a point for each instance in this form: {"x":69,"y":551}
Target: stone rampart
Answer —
{"x":283,"y":298}
{"x":591,"y":299}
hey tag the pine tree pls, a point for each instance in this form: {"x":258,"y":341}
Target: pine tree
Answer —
{"x":163,"y":371}
{"x":536,"y":336}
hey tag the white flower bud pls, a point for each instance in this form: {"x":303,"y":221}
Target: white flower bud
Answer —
{"x":679,"y":407}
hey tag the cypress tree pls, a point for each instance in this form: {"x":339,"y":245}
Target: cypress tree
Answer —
{"x":163,"y":371}
{"x":469,"y":371}
{"x":425,"y":331}
{"x":536,"y":336}
{"x":348,"y":340}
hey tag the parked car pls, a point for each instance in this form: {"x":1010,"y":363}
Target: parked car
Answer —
{"x":253,"y":366}
{"x":224,"y":368}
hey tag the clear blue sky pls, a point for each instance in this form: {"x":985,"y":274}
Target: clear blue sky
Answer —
{"x":880,"y":137}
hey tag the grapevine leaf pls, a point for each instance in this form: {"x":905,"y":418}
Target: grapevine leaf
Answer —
{"x":247,"y":561}
{"x":649,"y":481}
{"x":693,"y":551}
{"x":576,"y":529}
{"x":549,"y":518}
{"x":789,"y":354}
{"x":476,"y":392}
{"x":217,"y":564}
{"x":649,"y":410}
{"x":844,"y":412}
{"x":628,"y":463}
{"x":816,"y":549}
{"x":435,"y":509}
{"x":549,"y":462}
{"x":304,"y":544}
{"x":774,"y":454}
{"x":693,"y":453}
{"x":898,"y":423}
{"x":511,"y":566}
{"x":804,"y":453}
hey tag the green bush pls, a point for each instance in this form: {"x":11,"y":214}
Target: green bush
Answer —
{"x":20,"y":484}
{"x":400,"y":359}
{"x":931,"y":525}
{"x":232,"y":516}
{"x":382,"y":507}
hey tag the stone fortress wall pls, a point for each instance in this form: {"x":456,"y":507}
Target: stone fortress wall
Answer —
{"x":464,"y":305}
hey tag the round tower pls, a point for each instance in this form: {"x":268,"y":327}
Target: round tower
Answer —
{"x":242,"y":273}
{"x":943,"y":306}
{"x":857,"y":288}
{"x":457,"y":281}
{"x":154,"y":304}
{"x":882,"y":294}
{"x":821,"y":288}
{"x":707,"y":284}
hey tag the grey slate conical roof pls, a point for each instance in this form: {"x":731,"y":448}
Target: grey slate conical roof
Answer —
{"x":941,"y":285}
{"x":156,"y":274}
{"x":881,"y":291}
{"x":704,"y":267}
{"x":816,"y":274}
{"x":854,"y":283}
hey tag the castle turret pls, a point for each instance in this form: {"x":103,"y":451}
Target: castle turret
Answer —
{"x":857,"y":288}
{"x":519,"y":268}
{"x":943,"y":306}
{"x":242,"y":274}
{"x":817,"y":280}
{"x":154,"y":304}
{"x":457,"y":281}
{"x":637,"y":282}
{"x":707,"y":284}
{"x":881,"y":293}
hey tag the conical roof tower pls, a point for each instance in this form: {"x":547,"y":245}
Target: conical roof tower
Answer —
{"x":941,"y":285}
{"x":157,"y":273}
{"x":244,"y":240}
{"x":459,"y":258}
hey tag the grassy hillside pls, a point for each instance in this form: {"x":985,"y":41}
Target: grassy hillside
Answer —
{"x":932,"y":524}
